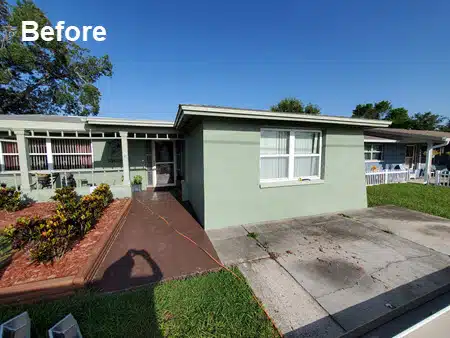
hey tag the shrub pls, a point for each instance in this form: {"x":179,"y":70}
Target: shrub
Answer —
{"x":65,"y":195}
{"x":137,"y":180}
{"x":52,"y":237}
{"x":10,"y":199}
{"x":68,"y":201}
{"x":104,"y":192}
{"x":90,"y":209}
{"x":23,"y":232}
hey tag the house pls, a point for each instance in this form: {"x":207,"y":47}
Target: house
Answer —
{"x":234,"y":166}
{"x":392,"y":149}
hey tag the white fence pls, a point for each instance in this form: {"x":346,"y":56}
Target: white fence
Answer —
{"x":442,"y":177}
{"x":387,"y":176}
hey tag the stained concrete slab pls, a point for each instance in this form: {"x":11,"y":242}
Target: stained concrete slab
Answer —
{"x":296,"y":313}
{"x":356,"y":271}
{"x":351,"y":269}
{"x":427,"y":230}
{"x":234,"y":246}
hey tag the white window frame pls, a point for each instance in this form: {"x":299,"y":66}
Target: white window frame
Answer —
{"x":371,"y":152}
{"x":291,"y":155}
{"x":51,"y":156}
{"x":2,"y":157}
{"x":54,"y":155}
{"x":31,"y":154}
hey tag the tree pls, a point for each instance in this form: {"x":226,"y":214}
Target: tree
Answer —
{"x":377,"y":110}
{"x":399,"y":118}
{"x":312,"y":109}
{"x":445,"y":126}
{"x":3,"y":12}
{"x":293,"y":105}
{"x":427,"y":121}
{"x":45,"y":77}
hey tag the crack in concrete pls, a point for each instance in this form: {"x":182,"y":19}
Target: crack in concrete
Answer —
{"x":310,"y":295}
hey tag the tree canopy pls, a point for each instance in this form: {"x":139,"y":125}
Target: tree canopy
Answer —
{"x":45,"y":77}
{"x":383,"y":110}
{"x":377,"y":110}
{"x":293,"y":105}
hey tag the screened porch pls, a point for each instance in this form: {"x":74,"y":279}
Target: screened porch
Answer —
{"x":38,"y":162}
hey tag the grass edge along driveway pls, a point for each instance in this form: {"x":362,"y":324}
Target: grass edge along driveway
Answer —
{"x":429,"y":199}
{"x":211,"y":305}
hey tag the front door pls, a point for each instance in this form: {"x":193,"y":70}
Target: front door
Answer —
{"x":410,"y":155}
{"x":164,"y":163}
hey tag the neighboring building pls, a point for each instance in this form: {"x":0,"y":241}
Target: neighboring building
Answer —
{"x":390,"y":148}
{"x":235,"y":166}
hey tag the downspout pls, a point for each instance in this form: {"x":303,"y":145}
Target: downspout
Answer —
{"x":429,"y":156}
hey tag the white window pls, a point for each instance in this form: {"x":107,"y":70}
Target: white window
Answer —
{"x":63,"y":153}
{"x":38,"y":153}
{"x":373,"y":152}
{"x":72,"y":154}
{"x":290,"y":154}
{"x":9,"y":154}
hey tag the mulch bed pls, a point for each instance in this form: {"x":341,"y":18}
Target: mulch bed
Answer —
{"x":42,"y":210}
{"x":21,"y":270}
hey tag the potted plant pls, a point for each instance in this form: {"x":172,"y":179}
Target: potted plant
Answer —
{"x":136,"y":185}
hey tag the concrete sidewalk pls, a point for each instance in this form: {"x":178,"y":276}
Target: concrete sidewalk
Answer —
{"x":334,"y":274}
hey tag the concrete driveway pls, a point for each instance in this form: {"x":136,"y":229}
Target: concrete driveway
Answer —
{"x":341,"y":274}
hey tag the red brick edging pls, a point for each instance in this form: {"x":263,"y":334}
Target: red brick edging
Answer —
{"x":63,"y":286}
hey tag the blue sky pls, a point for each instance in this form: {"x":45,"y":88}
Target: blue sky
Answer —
{"x":251,"y":54}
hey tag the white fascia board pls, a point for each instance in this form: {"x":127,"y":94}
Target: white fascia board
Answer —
{"x":126,"y":123}
{"x":41,"y":125}
{"x":380,"y":141}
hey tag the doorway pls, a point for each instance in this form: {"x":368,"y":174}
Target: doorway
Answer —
{"x":410,"y":156}
{"x":161,"y":163}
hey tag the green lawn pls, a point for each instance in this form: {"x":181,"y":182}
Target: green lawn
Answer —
{"x":425,"y":198}
{"x":212,"y":305}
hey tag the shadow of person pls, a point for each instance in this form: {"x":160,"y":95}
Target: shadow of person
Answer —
{"x":119,"y":277}
{"x":156,"y":271}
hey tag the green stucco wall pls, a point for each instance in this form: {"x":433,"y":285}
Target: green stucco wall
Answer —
{"x":194,"y":167}
{"x":232,"y":194}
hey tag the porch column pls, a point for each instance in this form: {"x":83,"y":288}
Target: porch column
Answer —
{"x":429,"y":157}
{"x":22,"y":146}
{"x":125,"y":162}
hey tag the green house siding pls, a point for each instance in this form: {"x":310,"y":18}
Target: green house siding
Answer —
{"x":232,"y":192}
{"x":194,"y":171}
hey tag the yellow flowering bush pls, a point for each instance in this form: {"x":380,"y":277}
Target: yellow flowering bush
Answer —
{"x":10,"y":199}
{"x":52,"y":237}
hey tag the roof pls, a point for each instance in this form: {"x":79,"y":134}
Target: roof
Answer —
{"x":423,"y":135}
{"x":68,"y":122}
{"x":42,"y":118}
{"x":185,"y":111}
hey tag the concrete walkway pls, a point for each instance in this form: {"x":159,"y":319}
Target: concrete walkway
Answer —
{"x":334,"y":274}
{"x":147,"y":250}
